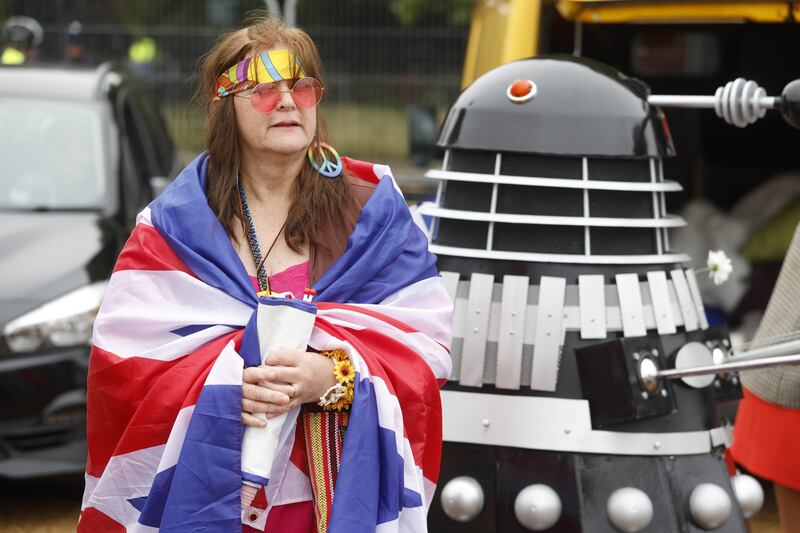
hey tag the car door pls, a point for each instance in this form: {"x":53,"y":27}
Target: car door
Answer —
{"x":139,"y":161}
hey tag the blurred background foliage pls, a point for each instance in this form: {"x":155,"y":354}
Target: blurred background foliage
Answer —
{"x":380,"y":56}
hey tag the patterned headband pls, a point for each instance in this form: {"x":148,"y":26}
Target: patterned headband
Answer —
{"x":265,"y":67}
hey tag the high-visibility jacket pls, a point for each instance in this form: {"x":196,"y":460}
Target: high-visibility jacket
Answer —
{"x":12,"y":56}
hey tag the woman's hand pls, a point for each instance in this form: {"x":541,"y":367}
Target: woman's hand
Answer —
{"x":261,"y":396}
{"x":307,"y":374}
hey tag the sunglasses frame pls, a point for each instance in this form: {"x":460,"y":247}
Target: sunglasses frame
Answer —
{"x":249,"y":96}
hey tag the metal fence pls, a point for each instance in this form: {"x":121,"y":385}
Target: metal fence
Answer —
{"x":375,"y":66}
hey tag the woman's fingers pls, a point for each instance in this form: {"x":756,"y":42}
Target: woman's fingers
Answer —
{"x":254,"y":374}
{"x":285,"y":388}
{"x":253,"y":406}
{"x":254,"y":421}
{"x":284,"y":374}
{"x":264,"y":394}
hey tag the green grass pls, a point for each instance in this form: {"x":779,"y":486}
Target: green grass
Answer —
{"x":378,"y":133}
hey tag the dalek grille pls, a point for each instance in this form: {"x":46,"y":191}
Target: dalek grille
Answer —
{"x":542,"y":208}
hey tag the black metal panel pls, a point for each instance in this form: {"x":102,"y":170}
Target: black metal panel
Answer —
{"x":537,"y":238}
{"x":610,"y":380}
{"x":621,"y":204}
{"x":517,"y":468}
{"x":619,"y":170}
{"x":461,"y":233}
{"x":540,"y":166}
{"x":478,"y":161}
{"x":685,"y":473}
{"x":478,"y":462}
{"x":468,"y":196}
{"x":601,"y":475}
{"x":582,"y":108}
{"x":623,"y":241}
{"x":523,"y":200}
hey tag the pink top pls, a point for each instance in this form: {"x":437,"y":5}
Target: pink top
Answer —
{"x":294,"y":279}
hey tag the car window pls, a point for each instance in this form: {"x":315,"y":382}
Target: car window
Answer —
{"x":52,"y":155}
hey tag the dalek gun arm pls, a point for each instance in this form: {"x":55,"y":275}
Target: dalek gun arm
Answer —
{"x":739,"y":102}
{"x":783,"y":354}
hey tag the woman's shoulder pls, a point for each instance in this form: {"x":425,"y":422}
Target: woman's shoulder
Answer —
{"x":362,"y":178}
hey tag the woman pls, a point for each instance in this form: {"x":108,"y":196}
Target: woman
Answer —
{"x":347,"y":424}
{"x":766,"y":439}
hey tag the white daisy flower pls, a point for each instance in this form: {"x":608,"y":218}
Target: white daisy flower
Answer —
{"x":719,"y":266}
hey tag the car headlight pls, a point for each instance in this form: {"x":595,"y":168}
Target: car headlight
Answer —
{"x":65,"y":321}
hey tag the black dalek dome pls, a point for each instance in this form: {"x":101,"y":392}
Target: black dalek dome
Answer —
{"x":578,"y":107}
{"x":572,"y":174}
{"x":551,"y":232}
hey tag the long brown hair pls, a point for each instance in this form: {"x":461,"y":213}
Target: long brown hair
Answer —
{"x":318,"y":198}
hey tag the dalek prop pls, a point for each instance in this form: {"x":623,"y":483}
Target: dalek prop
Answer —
{"x":586,"y":379}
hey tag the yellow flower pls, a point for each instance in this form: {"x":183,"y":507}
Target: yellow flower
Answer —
{"x":343,"y":371}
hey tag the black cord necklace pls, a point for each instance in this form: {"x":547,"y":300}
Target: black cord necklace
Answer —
{"x":252,"y":239}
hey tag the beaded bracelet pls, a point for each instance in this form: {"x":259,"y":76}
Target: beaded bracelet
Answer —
{"x":340,"y":396}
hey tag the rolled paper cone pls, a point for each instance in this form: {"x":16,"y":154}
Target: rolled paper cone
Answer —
{"x":282,"y":324}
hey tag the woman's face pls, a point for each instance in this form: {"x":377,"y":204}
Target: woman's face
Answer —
{"x":287,"y":130}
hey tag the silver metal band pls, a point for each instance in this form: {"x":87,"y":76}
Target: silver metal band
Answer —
{"x":555,"y":424}
{"x":660,"y":259}
{"x":559,"y":183}
{"x":669,"y":221}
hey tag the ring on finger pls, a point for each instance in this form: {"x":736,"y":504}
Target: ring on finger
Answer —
{"x":293,"y":393}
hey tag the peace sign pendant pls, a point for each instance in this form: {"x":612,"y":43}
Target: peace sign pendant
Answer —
{"x":328,"y":168}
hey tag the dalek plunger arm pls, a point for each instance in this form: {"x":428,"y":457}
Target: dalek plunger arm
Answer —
{"x":740,"y":102}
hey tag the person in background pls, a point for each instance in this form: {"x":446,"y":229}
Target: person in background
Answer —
{"x":766,"y":439}
{"x":75,"y":48}
{"x":21,"y":38}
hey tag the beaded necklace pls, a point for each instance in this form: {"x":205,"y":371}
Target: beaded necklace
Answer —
{"x":252,"y":239}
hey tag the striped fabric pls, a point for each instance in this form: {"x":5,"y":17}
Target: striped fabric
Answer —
{"x":264,"y":67}
{"x":179,"y":324}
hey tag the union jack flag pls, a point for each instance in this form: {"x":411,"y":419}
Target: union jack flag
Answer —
{"x":177,"y":328}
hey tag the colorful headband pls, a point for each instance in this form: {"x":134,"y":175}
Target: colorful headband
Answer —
{"x":264,"y":67}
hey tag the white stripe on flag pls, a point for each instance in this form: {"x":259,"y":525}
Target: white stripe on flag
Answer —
{"x":142,"y":307}
{"x":110,"y":494}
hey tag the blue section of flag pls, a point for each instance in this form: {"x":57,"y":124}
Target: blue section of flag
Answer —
{"x":185,"y":331}
{"x":182,"y":216}
{"x":153,"y":505}
{"x":250,"y":348}
{"x":300,"y":305}
{"x":373,"y":494}
{"x":385,"y":252}
{"x":205,"y":489}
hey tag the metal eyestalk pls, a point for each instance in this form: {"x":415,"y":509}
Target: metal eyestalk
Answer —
{"x":739,"y":102}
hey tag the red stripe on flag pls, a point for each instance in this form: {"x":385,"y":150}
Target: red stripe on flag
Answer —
{"x":368,"y":312}
{"x":411,"y":380}
{"x":133,"y":402}
{"x":361,"y":170}
{"x":402,"y":326}
{"x":94,"y":521}
{"x":146,"y":249}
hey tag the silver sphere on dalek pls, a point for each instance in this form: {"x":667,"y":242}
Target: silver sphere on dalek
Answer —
{"x":551,"y":231}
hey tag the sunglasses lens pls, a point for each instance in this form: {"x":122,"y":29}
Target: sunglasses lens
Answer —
{"x":307,"y":92}
{"x":265,"y":97}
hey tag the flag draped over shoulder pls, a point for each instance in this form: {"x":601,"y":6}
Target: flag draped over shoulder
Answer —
{"x":176,"y":329}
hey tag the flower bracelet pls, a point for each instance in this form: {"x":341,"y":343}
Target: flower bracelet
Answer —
{"x":340,"y":396}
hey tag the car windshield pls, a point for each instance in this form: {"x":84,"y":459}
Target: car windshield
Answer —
{"x":52,"y":155}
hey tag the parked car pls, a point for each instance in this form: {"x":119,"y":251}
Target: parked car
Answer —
{"x":81,"y":152}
